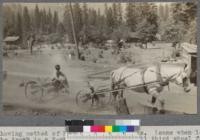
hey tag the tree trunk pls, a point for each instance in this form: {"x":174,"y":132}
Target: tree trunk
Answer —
{"x":74,"y":32}
{"x":31,"y":48}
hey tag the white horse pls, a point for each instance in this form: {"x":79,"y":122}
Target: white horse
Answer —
{"x":151,"y":79}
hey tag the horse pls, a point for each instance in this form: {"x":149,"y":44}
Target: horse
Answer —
{"x":151,"y":80}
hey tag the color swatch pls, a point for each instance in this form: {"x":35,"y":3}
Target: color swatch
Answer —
{"x":102,"y":126}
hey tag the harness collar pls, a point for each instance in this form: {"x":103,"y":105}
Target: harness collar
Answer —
{"x":159,"y":77}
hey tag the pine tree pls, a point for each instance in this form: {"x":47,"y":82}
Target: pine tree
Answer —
{"x":26,"y":20}
{"x":78,"y":22}
{"x":98,"y":19}
{"x":18,"y":27}
{"x":85,"y":14}
{"x":37,"y":18}
{"x":166,"y":12}
{"x":42,"y":21}
{"x":110,"y":18}
{"x":106,"y":20}
{"x":55,"y":21}
{"x":61,"y":29}
{"x":50,"y":21}
{"x":120,"y":13}
{"x":161,"y":11}
{"x":131,"y":16}
{"x":93,"y":16}
{"x":148,"y":26}
{"x":183,"y":15}
{"x":9,"y":21}
{"x":115,"y":15}
{"x":105,"y":8}
{"x":67,"y":23}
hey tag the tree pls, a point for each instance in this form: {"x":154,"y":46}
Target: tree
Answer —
{"x":167,"y":10}
{"x":191,"y":35}
{"x":37,"y":18}
{"x":110,"y":19}
{"x":147,"y":31}
{"x":26,"y":20}
{"x":92,"y":17}
{"x":9,"y":21}
{"x":61,"y":29}
{"x":50,"y":21}
{"x":185,"y":15}
{"x":67,"y":23}
{"x":148,"y":26}
{"x":184,"y":12}
{"x":18,"y":27}
{"x":43,"y":21}
{"x":131,"y":16}
{"x":78,"y":22}
{"x":120,"y":33}
{"x":161,"y":11}
{"x":115,"y":15}
{"x":105,"y":8}
{"x":174,"y":32}
{"x":55,"y":21}
{"x":85,"y":14}
{"x":120,"y":12}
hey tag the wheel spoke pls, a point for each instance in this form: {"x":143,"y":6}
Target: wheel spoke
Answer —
{"x":33,"y":91}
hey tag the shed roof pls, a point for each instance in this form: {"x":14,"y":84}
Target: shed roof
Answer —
{"x":11,"y":38}
{"x":110,"y":41}
{"x":134,"y":35}
{"x":190,"y":48}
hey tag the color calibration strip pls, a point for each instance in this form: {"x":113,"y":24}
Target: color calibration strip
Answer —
{"x":101,"y":126}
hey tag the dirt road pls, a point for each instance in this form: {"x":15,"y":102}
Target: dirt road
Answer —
{"x":25,"y":67}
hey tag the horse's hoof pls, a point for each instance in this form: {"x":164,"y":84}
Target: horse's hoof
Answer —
{"x":154,"y":110}
{"x":162,"y":102}
{"x":162,"y":111}
{"x":36,"y":113}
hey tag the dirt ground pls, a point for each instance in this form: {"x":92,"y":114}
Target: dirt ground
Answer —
{"x":24,"y":67}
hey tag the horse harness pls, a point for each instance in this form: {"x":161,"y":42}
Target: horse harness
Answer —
{"x":159,"y":78}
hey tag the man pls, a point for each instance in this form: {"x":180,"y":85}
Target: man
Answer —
{"x":60,"y":80}
{"x":120,"y":45}
{"x":31,"y":41}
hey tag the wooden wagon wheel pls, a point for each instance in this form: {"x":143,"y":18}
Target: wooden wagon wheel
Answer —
{"x":33,"y":91}
{"x":84,"y":98}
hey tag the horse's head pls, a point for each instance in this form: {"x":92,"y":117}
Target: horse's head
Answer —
{"x":182,"y":78}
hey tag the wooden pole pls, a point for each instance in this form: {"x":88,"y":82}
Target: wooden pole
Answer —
{"x":73,"y":30}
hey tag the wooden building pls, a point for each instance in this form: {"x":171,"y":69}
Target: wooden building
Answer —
{"x":189,"y":55}
{"x":11,"y":42}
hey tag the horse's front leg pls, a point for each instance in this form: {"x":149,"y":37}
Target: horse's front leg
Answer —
{"x":114,"y":93}
{"x":153,"y":102}
{"x":154,"y":95}
{"x":158,"y":103}
{"x":161,"y":104}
